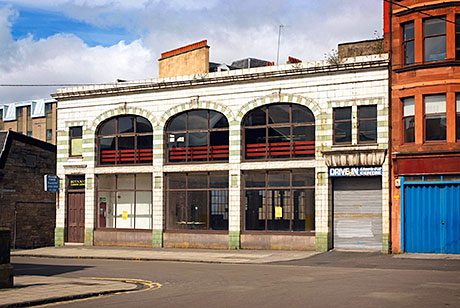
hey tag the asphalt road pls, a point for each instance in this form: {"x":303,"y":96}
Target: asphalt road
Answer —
{"x":328,"y":280}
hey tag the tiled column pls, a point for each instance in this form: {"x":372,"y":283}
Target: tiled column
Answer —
{"x":90,"y":185}
{"x":158,"y":188}
{"x":62,"y":145}
{"x":234,"y":206}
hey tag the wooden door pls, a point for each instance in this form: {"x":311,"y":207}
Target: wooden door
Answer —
{"x":76,"y":217}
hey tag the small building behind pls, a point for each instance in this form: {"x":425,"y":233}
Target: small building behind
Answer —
{"x":25,"y":208}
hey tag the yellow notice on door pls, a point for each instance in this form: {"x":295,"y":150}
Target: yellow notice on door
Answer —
{"x":278,"y":212}
{"x":124,"y":215}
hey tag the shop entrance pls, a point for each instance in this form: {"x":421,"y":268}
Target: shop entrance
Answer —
{"x":75,"y":218}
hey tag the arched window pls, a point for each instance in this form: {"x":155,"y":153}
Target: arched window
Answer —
{"x":279,"y":131}
{"x":197,"y":135}
{"x":125,"y":139}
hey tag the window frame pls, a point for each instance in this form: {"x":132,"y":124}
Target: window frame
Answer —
{"x":433,"y":115}
{"x":363,"y":119}
{"x":116,"y":190}
{"x":168,"y":191}
{"x":222,"y":151}
{"x":407,"y":41}
{"x":71,"y":137}
{"x":48,"y":121}
{"x":427,"y":37}
{"x":28,"y":122}
{"x":266,"y":188}
{"x":403,"y":126}
{"x":117,"y":135}
{"x":19,"y":120}
{"x":334,"y":122}
{"x":308,"y":147}
{"x":457,"y":37}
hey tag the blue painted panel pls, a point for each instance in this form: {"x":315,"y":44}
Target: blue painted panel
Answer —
{"x":432,"y":218}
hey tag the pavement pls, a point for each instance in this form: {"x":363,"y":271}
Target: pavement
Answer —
{"x":180,"y":255}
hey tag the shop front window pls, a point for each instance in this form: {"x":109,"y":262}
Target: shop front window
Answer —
{"x":435,"y":117}
{"x":124,"y":201}
{"x":434,"y":32}
{"x":197,"y":135}
{"x":280,"y":200}
{"x":125,"y":140}
{"x":409,"y":119}
{"x":279,"y":131}
{"x":197,"y":201}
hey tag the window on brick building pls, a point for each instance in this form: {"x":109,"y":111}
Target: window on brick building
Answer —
{"x":458,"y":115}
{"x":279,"y":131}
{"x":197,"y":201}
{"x":126,"y":139}
{"x":28,"y":121}
{"x":49,"y":122}
{"x":434,"y":34}
{"x":342,"y":125}
{"x":197,"y":135}
{"x":435,"y":117}
{"x":19,"y":120}
{"x":367,"y":124}
{"x":408,"y":43}
{"x":409,"y":119}
{"x":282,"y":200}
{"x":76,"y":141}
{"x":457,"y":37}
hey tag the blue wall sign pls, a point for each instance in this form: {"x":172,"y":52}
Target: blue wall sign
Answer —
{"x":355,"y":171}
{"x":51,"y":183}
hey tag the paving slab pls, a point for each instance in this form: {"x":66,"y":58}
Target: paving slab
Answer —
{"x":181,"y":255}
{"x":37,"y":290}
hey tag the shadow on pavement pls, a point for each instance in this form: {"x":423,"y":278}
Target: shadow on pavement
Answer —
{"x":21,"y":269}
{"x":373,"y":260}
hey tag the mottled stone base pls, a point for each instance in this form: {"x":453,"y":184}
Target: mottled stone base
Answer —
{"x":59,"y":237}
{"x":89,"y":237}
{"x":323,"y":241}
{"x":234,"y":240}
{"x":157,"y":238}
{"x":6,"y":276}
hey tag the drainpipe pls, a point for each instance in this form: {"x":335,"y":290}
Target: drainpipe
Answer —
{"x":390,"y":128}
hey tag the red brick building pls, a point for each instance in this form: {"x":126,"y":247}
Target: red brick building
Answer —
{"x":424,"y":43}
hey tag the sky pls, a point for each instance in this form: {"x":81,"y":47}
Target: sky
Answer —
{"x":99,"y":41}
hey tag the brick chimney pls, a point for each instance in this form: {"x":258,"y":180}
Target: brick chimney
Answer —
{"x":186,"y":60}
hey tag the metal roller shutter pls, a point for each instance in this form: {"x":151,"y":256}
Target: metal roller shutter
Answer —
{"x":358,"y":213}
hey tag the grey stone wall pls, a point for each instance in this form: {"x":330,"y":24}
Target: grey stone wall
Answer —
{"x":6,"y":270}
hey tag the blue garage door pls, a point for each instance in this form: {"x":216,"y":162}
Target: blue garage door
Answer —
{"x":432,"y":217}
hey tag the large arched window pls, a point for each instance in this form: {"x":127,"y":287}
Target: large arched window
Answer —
{"x":125,"y":139}
{"x":279,"y":131}
{"x":197,"y":135}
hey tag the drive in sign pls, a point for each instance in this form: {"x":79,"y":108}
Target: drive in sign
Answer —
{"x":355,"y":171}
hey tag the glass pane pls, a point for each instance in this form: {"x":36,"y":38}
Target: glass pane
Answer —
{"x":198,"y":119}
{"x":435,"y":128}
{"x":458,"y":126}
{"x":143,"y":216}
{"x":126,"y":124}
{"x":342,"y":113}
{"x":176,"y":181}
{"x":278,"y":113}
{"x":143,"y":125}
{"x":106,"y":182}
{"x":304,"y":210}
{"x":177,"y":210}
{"x":256,"y":135}
{"x":197,"y":211}
{"x":409,"y":53}
{"x":76,"y":147}
{"x":408,"y":106}
{"x":219,"y":209}
{"x":303,"y":178}
{"x":434,"y":26}
{"x":197,"y":139}
{"x":219,"y":137}
{"x":177,"y":123}
{"x":368,"y":131}
{"x":409,"y":129}
{"x":108,"y":127}
{"x":177,"y":147}
{"x":278,"y":178}
{"x":435,"y":104}
{"x":76,"y":132}
{"x":254,"y":179}
{"x":255,"y":216}
{"x":279,"y":210}
{"x":435,"y":48}
{"x":143,"y":181}
{"x":219,"y":181}
{"x":256,"y":117}
{"x":303,"y":133}
{"x":301,"y":114}
{"x":106,"y":209}
{"x":145,"y":142}
{"x":126,"y":150}
{"x":255,"y":141}
{"x":125,"y":210}
{"x":408,"y":30}
{"x":107,"y":150}
{"x":217,"y":120}
{"x":279,"y":142}
{"x":367,"y":112}
{"x":125,"y":181}
{"x":279,"y":134}
{"x":197,"y":181}
{"x":457,"y":103}
{"x":342,"y":132}
{"x":198,"y":146}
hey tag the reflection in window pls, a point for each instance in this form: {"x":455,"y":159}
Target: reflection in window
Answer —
{"x":342,"y":125}
{"x":409,"y":119}
{"x":279,"y":131}
{"x":197,"y":201}
{"x":124,"y":201}
{"x":76,"y":140}
{"x":408,"y":43}
{"x":435,"y":117}
{"x":280,"y":200}
{"x":197,"y":135}
{"x":125,"y":140}
{"x":434,"y":31}
{"x":367,"y":123}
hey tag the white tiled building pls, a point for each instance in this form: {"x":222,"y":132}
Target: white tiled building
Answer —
{"x":149,"y":163}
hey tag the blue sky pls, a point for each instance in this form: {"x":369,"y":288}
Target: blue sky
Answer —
{"x":98,"y":41}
